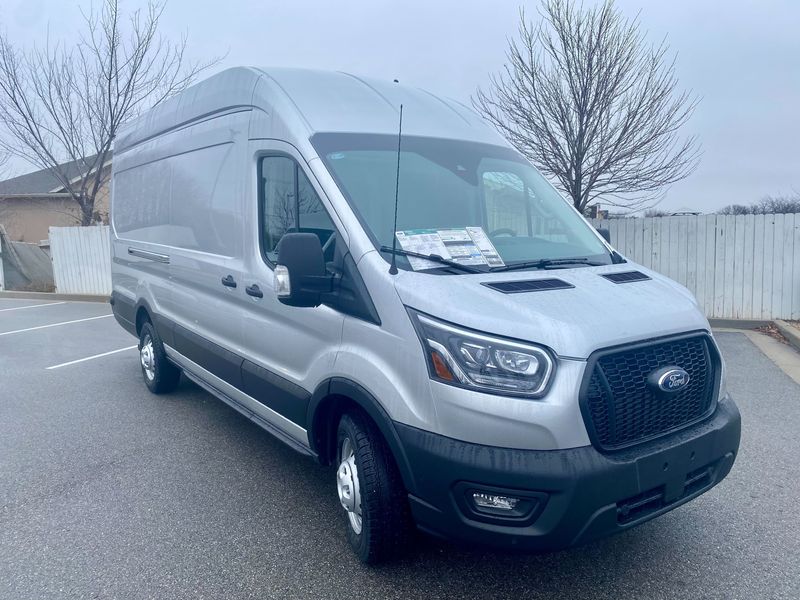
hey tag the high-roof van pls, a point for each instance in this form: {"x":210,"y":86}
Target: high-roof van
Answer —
{"x":415,"y":305}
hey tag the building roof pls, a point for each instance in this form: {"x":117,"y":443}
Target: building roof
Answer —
{"x":307,"y":101}
{"x":39,"y":183}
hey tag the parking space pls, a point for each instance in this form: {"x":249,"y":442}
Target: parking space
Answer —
{"x":14,"y":304}
{"x":108,"y":491}
{"x":42,"y":314}
{"x":50,"y":333}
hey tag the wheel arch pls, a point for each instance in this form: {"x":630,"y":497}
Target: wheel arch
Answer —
{"x":330,"y":400}
{"x":144,"y":312}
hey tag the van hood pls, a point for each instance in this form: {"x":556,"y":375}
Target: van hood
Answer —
{"x":595,"y":313}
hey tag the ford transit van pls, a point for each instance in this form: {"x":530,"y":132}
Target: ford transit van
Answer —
{"x":421,"y":310}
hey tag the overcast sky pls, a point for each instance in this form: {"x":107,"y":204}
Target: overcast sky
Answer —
{"x":741,"y":56}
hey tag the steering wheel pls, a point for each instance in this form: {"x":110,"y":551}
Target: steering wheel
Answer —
{"x":503,"y":231}
{"x":328,"y":242}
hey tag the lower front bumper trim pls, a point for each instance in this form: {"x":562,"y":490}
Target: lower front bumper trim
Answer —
{"x":583,"y":493}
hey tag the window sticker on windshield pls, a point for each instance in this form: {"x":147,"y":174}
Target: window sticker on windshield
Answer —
{"x":461,"y":247}
{"x":486,"y":246}
{"x":422,"y":241}
{"x":470,"y":246}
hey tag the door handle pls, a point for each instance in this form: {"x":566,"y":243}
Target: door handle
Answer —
{"x":254,"y":290}
{"x":229,"y":281}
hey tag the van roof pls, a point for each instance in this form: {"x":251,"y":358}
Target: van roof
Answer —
{"x":310,"y":101}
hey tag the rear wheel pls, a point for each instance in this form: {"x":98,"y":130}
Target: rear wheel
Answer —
{"x":160,"y":375}
{"x":371,"y":491}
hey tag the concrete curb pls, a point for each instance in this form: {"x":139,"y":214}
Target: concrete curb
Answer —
{"x":50,"y":296}
{"x":737,"y":323}
{"x":791,"y":333}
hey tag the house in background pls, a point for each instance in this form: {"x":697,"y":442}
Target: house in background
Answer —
{"x":32,"y":203}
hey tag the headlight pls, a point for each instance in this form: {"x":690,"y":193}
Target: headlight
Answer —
{"x":475,"y":360}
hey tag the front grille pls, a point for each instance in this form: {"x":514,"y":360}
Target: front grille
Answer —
{"x":620,"y":407}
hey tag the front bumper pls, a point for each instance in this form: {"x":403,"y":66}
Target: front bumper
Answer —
{"x":576,"y":495}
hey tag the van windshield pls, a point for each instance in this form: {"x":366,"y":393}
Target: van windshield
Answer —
{"x":453,"y":186}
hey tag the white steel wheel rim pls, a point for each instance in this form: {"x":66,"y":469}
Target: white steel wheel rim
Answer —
{"x":347,"y":485}
{"x":147,"y":358}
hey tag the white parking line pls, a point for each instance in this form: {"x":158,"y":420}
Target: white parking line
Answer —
{"x":53,"y":325}
{"x":80,"y":360}
{"x":31,"y":306}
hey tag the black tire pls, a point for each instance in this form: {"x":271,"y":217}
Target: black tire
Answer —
{"x":386,"y":524}
{"x":163,"y":377}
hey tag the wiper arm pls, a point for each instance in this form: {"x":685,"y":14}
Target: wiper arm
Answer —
{"x":433,"y":258}
{"x":547,"y":262}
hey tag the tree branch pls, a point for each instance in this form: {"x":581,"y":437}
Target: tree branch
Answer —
{"x":593,"y":106}
{"x":62,"y":104}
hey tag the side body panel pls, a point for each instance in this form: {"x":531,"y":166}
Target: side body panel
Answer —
{"x":208,"y":192}
{"x":177,"y":219}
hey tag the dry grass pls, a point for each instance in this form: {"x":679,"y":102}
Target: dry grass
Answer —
{"x":773,"y":332}
{"x":35,"y":287}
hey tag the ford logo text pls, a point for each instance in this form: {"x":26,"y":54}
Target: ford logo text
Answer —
{"x":669,"y":379}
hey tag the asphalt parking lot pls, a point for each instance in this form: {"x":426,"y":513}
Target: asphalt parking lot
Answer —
{"x":107,"y":491}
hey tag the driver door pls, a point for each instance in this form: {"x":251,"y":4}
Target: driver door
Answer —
{"x":288,"y":350}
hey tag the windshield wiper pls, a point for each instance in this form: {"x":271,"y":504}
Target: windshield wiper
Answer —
{"x":547,"y":262}
{"x":433,"y":258}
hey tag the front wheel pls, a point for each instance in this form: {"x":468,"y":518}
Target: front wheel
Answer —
{"x":371,"y":491}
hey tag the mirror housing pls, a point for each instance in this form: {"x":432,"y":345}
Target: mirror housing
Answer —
{"x":301,"y":277}
{"x":604,"y":233}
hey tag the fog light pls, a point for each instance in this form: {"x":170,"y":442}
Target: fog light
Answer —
{"x":493,"y":501}
{"x":509,"y":507}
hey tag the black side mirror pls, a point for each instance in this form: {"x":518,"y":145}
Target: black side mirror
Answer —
{"x":300,"y":276}
{"x":604,"y":233}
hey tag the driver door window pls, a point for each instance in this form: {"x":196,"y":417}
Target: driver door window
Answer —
{"x":289,"y":203}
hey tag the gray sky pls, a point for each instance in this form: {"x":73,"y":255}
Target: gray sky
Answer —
{"x":741,"y":56}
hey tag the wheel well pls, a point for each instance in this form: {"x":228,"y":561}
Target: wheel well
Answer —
{"x":326,"y":423}
{"x":142,"y":317}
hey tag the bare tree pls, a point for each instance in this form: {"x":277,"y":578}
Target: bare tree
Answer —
{"x":736,"y":209}
{"x":593,"y":106}
{"x":654,"y":212}
{"x":4,"y":158}
{"x":778,"y":204}
{"x":65,"y":104}
{"x":768,"y":205}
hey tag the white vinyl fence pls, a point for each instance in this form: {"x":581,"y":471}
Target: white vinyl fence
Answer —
{"x":740,"y":267}
{"x":81,"y":260}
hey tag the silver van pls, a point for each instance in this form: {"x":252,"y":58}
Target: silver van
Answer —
{"x":417,"y":307}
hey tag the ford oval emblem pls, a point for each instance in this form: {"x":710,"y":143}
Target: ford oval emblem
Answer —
{"x":669,"y":379}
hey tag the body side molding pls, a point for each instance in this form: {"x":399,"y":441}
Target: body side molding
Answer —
{"x":274,"y":422}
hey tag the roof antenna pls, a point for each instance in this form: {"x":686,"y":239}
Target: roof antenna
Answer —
{"x":393,"y":268}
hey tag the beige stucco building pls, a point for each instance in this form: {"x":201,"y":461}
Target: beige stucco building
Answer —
{"x":32,"y":203}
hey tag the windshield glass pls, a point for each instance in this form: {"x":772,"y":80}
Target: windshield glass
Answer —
{"x":456,"y":186}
